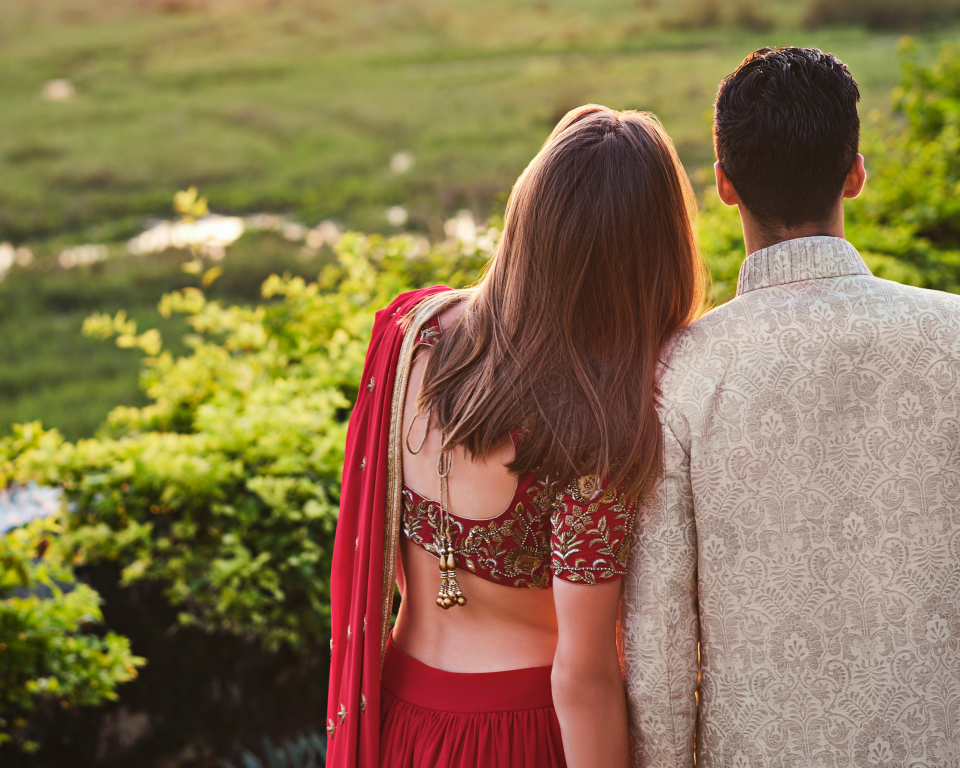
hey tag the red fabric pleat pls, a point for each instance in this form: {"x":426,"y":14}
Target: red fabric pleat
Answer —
{"x":435,"y":719}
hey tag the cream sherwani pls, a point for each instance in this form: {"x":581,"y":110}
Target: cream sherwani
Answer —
{"x":806,"y":530}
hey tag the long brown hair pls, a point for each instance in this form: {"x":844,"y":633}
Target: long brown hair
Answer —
{"x":597,"y":266}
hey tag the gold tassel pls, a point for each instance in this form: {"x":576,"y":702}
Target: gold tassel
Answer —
{"x":450,"y":592}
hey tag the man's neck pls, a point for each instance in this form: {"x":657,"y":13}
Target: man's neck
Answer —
{"x":756,"y":236}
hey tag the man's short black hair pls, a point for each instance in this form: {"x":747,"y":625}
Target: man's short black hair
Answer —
{"x":786,"y":133}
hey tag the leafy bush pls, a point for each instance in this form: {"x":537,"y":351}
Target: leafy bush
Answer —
{"x":909,"y":209}
{"x":225,"y":487}
{"x":50,"y":372}
{"x":49,"y":651}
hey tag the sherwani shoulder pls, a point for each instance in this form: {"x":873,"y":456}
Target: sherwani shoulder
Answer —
{"x":805,"y":532}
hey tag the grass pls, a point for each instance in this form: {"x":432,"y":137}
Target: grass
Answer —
{"x":298,"y":106}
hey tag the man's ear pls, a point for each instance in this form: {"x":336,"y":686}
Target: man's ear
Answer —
{"x":855,"y":179}
{"x":724,"y":188}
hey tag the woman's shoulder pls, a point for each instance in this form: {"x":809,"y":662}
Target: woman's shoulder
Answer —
{"x":449,"y":315}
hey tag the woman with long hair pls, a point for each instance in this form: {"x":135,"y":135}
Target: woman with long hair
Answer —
{"x":502,"y":437}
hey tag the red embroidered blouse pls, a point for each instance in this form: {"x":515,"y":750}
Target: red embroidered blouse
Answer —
{"x":581,"y":533}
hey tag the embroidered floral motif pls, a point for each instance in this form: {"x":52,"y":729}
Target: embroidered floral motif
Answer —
{"x":720,"y":543}
{"x":796,"y":644}
{"x":773,"y":421}
{"x":879,"y":744}
{"x":908,"y":402}
{"x":429,"y":334}
{"x":547,"y":534}
{"x":854,"y":524}
{"x":514,"y":547}
{"x":590,"y":542}
{"x":936,"y":628}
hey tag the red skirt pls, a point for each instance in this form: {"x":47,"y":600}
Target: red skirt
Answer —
{"x":435,"y":719}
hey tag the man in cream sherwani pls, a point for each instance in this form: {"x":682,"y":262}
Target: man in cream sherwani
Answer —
{"x":806,"y":531}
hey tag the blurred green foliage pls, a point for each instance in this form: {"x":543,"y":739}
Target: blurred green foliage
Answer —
{"x":307,"y":751}
{"x":225,"y":486}
{"x":882,"y":14}
{"x":51,"y":653}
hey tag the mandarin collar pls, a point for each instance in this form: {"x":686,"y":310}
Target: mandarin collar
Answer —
{"x":804,"y":258}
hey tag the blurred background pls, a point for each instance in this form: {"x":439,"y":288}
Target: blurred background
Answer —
{"x":169,"y":522}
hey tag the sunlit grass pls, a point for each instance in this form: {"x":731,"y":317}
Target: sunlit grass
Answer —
{"x":301,"y":107}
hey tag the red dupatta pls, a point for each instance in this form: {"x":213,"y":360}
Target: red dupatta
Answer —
{"x":368,"y":529}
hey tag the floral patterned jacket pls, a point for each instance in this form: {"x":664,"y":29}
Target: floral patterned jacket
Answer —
{"x":806,"y":530}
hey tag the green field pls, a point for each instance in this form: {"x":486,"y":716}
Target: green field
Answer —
{"x":298,"y":107}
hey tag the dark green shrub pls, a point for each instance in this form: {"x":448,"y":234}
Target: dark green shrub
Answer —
{"x":751,"y":15}
{"x":881,"y":14}
{"x":50,"y":652}
{"x":908,"y":217}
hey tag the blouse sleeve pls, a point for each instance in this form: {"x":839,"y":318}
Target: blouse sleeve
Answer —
{"x":591,"y":533}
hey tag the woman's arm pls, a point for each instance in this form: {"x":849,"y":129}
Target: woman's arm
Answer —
{"x":587,"y":687}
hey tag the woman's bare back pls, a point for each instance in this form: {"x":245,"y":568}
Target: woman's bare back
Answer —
{"x":501,"y":627}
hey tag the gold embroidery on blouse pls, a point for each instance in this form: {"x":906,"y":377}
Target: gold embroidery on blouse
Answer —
{"x":487,"y":545}
{"x":429,"y":335}
{"x":608,"y":537}
{"x":592,"y":532}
